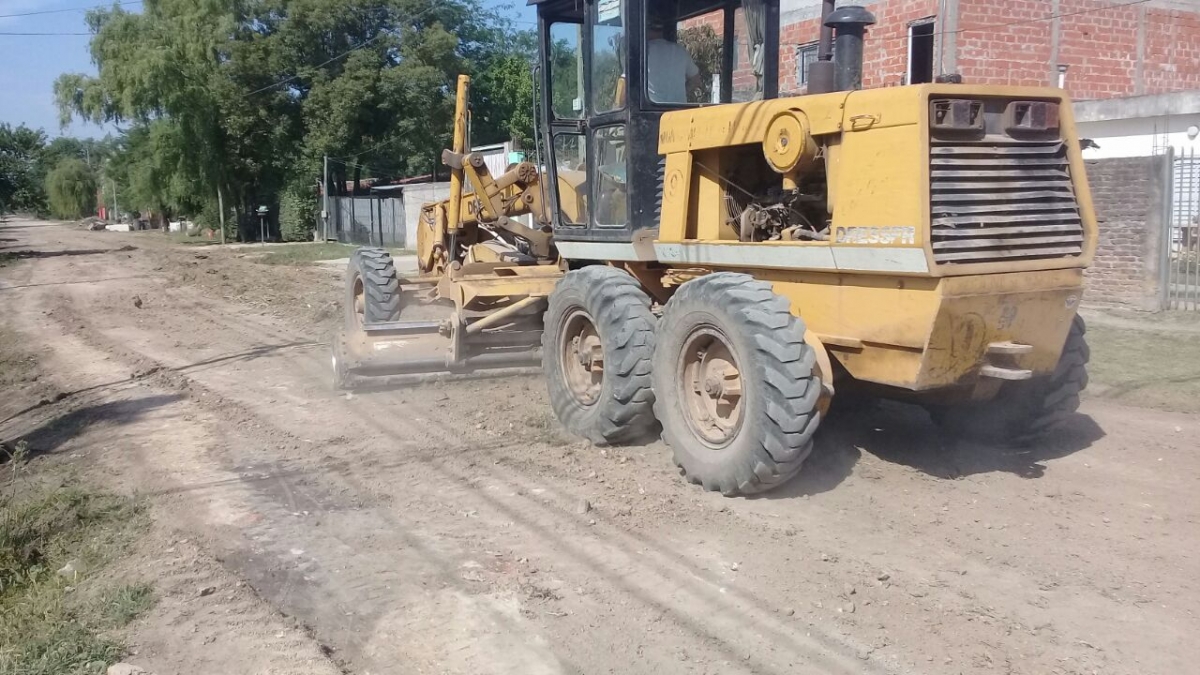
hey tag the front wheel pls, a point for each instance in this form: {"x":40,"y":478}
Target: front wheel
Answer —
{"x":735,"y":384}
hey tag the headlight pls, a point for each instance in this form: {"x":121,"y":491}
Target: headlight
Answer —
{"x":1030,"y":116}
{"x":959,"y":114}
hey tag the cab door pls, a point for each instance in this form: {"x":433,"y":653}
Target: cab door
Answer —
{"x":564,"y":114}
{"x":608,"y":119}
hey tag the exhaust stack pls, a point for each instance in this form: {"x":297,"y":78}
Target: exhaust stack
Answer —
{"x":820,"y":72}
{"x":849,"y":24}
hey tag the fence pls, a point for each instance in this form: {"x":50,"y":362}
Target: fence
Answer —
{"x":1183,"y":243}
{"x":366,"y":221}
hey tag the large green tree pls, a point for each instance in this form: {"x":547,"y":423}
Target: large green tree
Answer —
{"x":245,"y":97}
{"x":71,"y":189}
{"x":21,"y":172}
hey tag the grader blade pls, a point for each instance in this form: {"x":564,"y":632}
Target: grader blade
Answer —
{"x":491,"y":318}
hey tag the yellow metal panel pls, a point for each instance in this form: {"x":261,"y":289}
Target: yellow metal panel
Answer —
{"x":1033,"y":309}
{"x":879,"y":174}
{"x":721,"y":126}
{"x":923,"y":333}
{"x":882,"y":364}
{"x":1083,"y":191}
{"x":677,"y":183}
{"x":882,"y":108}
{"x":706,"y":210}
{"x":869,"y":308}
{"x":459,"y":145}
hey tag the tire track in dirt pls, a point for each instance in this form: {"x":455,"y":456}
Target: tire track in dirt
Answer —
{"x":681,"y":611}
{"x":371,"y":418}
{"x":987,"y":571}
{"x":267,"y":525}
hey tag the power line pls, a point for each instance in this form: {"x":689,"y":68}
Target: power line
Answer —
{"x":69,"y":9}
{"x":376,"y":147}
{"x":42,"y":34}
{"x":318,"y":66}
{"x":345,"y":163}
{"x":343,"y":54}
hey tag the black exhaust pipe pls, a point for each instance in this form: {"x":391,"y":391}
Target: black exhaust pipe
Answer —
{"x":849,"y":24}
{"x":820,"y":72}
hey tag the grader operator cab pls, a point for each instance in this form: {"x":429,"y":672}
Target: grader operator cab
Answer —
{"x":708,"y":257}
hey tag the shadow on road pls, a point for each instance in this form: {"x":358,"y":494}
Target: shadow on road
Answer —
{"x":235,"y":357}
{"x":901,"y":433}
{"x":34,"y":254}
{"x":53,"y":433}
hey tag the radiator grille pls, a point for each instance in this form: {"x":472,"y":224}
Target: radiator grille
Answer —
{"x":1000,"y":199}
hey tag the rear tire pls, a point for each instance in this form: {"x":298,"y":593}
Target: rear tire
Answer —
{"x":735,"y":384}
{"x":1023,"y":411}
{"x":596,"y":349}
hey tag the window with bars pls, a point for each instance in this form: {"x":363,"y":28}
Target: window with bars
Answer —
{"x":805,"y":56}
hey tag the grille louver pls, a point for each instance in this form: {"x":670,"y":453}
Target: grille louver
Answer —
{"x":1000,"y":200}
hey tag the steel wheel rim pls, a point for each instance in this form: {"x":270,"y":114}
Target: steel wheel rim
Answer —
{"x":581,"y":358}
{"x":710,"y":387}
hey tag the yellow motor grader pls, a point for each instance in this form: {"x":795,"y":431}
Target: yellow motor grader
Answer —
{"x":714,"y":260}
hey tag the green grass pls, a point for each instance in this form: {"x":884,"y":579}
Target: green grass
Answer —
{"x":1149,"y":368}
{"x":301,"y":254}
{"x":51,"y":624}
{"x":183,"y":238}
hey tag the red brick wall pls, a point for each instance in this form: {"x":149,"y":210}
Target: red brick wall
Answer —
{"x":1018,"y":54}
{"x":885,"y":53}
{"x":792,"y":36}
{"x":1128,"y":194}
{"x":1100,"y":47}
{"x":1172,"y":51}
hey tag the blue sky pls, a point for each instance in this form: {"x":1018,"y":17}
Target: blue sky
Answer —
{"x":30,"y":64}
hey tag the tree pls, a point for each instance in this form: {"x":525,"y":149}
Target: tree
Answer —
{"x":21,"y":175}
{"x":245,"y":97}
{"x":704,"y":46}
{"x":502,"y":94}
{"x":71,"y":189}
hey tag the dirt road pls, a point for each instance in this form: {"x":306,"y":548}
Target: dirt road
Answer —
{"x":451,"y":528}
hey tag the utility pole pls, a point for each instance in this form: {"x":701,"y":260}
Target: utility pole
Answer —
{"x":116,"y":206}
{"x":221,"y":212}
{"x":325,"y":202}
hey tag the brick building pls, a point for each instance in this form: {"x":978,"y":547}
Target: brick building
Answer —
{"x":1132,"y":67}
{"x":1109,"y":48}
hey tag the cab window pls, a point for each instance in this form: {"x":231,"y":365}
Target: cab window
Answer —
{"x":608,"y":60}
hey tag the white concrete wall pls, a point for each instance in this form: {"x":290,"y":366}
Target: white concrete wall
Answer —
{"x":414,"y":196}
{"x":1139,"y":137}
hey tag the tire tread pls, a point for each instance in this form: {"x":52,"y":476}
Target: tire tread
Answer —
{"x":782,"y":366}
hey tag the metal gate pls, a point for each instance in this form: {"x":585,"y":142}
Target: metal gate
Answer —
{"x":366,"y":221}
{"x":1183,"y":252}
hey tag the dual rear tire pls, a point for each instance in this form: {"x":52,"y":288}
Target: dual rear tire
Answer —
{"x":725,"y":371}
